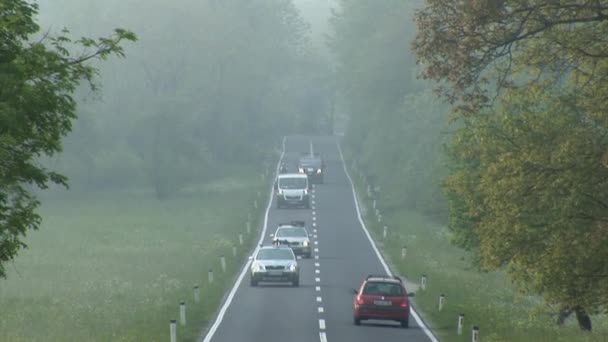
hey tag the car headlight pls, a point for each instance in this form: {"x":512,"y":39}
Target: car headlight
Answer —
{"x":258,"y":267}
{"x":305,"y":192}
{"x":301,"y":170}
{"x":292,"y":268}
{"x":318,"y":171}
{"x":306,"y":243}
{"x":280,"y":192}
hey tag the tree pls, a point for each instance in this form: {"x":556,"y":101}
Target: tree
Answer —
{"x":527,"y":186}
{"x":37,"y":80}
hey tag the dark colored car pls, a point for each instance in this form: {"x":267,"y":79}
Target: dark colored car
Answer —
{"x":313,"y":167}
{"x":382,"y":297}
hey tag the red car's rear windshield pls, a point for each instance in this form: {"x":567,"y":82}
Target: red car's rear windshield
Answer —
{"x":382,"y":289}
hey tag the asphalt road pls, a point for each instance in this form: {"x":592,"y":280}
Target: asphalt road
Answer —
{"x":321,"y":308}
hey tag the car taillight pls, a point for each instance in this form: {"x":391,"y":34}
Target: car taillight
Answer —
{"x":359,"y":300}
{"x":404,"y":304}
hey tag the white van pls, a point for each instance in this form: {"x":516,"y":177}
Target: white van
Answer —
{"x":292,"y":190}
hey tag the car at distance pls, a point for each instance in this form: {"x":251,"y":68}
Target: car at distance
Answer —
{"x":382,"y":297}
{"x":274,"y":264}
{"x":292,"y":190}
{"x":295,"y":236}
{"x":313,"y":167}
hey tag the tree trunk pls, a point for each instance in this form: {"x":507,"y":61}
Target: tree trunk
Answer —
{"x":584,"y":321}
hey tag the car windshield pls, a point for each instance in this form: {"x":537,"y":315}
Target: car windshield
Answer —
{"x":291,"y":232}
{"x":275,"y":254}
{"x":292,"y":183}
{"x":382,"y":289}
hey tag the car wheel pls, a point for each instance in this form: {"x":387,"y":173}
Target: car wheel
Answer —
{"x":308,"y":205}
{"x":279,"y":206}
{"x":295,"y":282}
{"x":253,"y":282}
{"x":357,"y":321}
{"x":308,"y":256}
{"x":405,"y":323}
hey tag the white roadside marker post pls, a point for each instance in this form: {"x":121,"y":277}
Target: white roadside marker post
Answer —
{"x":423,"y":282}
{"x":173,"y":330}
{"x":182,"y":314}
{"x":441,"y":301}
{"x":248,"y":224}
{"x":223,"y":263}
{"x":403,"y":252}
{"x":197,"y":294}
{"x":374,"y":204}
{"x":460,"y":323}
{"x":385,"y":232}
{"x":380,"y":218}
{"x":210,"y":276}
{"x":475,"y":334}
{"x":234,"y":251}
{"x":241,"y":239}
{"x":255,"y":204}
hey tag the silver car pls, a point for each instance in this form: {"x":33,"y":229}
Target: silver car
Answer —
{"x":295,"y":236}
{"x":275,"y":264}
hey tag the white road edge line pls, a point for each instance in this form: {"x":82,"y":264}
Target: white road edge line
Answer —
{"x":222,"y":312}
{"x":388,"y":271}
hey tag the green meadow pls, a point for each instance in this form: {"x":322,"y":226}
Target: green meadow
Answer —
{"x":113,"y":266}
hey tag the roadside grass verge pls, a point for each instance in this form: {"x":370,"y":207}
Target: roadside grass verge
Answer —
{"x":487,"y":300}
{"x":113,"y":266}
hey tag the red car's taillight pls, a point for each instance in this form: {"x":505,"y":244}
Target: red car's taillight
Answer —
{"x":404,"y":304}
{"x":359,"y":300}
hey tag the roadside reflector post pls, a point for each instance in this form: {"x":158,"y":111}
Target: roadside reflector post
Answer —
{"x":241,"y":239}
{"x":374,"y":204}
{"x":173,"y":330}
{"x":385,"y":232}
{"x":210,"y":276}
{"x":197,"y":294}
{"x":248,"y":224}
{"x":475,"y":334}
{"x":234,"y":251}
{"x":379,"y":218}
{"x":460,"y":323}
{"x":423,"y":282}
{"x":403,"y":252}
{"x":441,"y":301}
{"x":377,"y":212}
{"x":255,"y":204}
{"x":223,"y":263}
{"x":182,"y":314}
{"x":377,"y":189}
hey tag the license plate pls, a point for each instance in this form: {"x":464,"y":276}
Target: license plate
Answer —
{"x":275,"y":273}
{"x":383,"y":302}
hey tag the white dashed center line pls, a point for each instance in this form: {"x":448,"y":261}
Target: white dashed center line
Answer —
{"x":322,"y":324}
{"x":318,"y":288}
{"x":316,"y":250}
{"x":314,"y":224}
{"x":317,"y":264}
{"x":319,"y":299}
{"x":317,"y":271}
{"x":323,"y":336}
{"x":316,"y":242}
{"x":316,"y":257}
{"x":318,"y":280}
{"x":321,"y":310}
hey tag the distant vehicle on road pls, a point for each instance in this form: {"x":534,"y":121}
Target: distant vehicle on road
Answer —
{"x":313,"y":166}
{"x":292,"y":190}
{"x":295,"y":236}
{"x":381,"y":297}
{"x":275,"y":264}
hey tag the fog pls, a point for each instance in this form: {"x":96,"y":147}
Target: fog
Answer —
{"x":476,"y":161}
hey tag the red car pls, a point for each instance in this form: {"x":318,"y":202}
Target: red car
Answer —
{"x":382,"y":297}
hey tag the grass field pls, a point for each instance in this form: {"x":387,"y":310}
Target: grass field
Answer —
{"x":114,"y":266}
{"x":488,"y":300}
